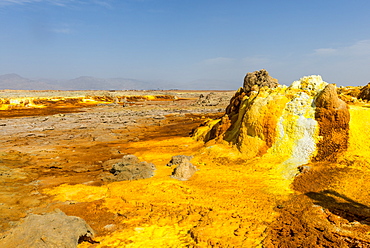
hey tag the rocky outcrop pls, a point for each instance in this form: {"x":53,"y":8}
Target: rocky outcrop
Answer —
{"x":253,"y":81}
{"x":333,"y":117}
{"x":184,"y":170}
{"x":297,"y":124}
{"x":349,"y":94}
{"x":49,"y":230}
{"x":130,"y":168}
{"x":210,"y":99}
{"x":178,"y":159}
{"x":365,"y":93}
{"x":235,"y":102}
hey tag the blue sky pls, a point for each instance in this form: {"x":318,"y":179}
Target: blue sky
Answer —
{"x":202,"y":43}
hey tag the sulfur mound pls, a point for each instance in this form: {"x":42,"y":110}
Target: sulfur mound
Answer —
{"x":130,"y":168}
{"x":184,"y":170}
{"x":49,"y":230}
{"x":296,"y":124}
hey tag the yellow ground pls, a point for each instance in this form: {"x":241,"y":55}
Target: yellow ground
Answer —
{"x":229,"y":202}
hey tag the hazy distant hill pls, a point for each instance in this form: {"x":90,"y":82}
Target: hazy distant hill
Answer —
{"x":16,"y":82}
{"x":91,"y":83}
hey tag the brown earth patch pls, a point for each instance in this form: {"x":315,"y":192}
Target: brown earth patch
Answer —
{"x":319,"y":216}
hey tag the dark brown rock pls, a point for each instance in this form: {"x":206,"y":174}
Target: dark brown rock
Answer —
{"x":328,"y":98}
{"x":235,"y":101}
{"x":220,"y":128}
{"x":365,"y":93}
{"x":253,"y":81}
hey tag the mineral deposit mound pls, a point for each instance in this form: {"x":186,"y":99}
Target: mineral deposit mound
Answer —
{"x":297,"y":124}
{"x":266,"y":166}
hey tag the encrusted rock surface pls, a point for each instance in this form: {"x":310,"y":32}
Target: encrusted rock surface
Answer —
{"x":52,"y":230}
{"x":284,"y":121}
{"x":130,"y":168}
{"x":333,"y":117}
{"x":184,"y":170}
{"x":365,"y":93}
{"x":253,"y":81}
{"x":208,"y":100}
{"x":178,"y":159}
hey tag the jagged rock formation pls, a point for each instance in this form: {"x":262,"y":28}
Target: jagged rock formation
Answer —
{"x":208,"y":100}
{"x":178,"y":159}
{"x":130,"y":168}
{"x":253,"y":81}
{"x":365,"y":93}
{"x":184,"y":170}
{"x":306,"y":121}
{"x":49,"y":230}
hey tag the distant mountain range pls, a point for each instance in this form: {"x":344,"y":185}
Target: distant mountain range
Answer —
{"x":16,"y":82}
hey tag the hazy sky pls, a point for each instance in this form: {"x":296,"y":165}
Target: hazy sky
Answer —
{"x":186,"y":41}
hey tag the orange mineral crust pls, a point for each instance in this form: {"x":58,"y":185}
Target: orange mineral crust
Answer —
{"x":266,"y":166}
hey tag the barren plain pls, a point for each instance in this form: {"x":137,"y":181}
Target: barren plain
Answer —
{"x":265,"y":176}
